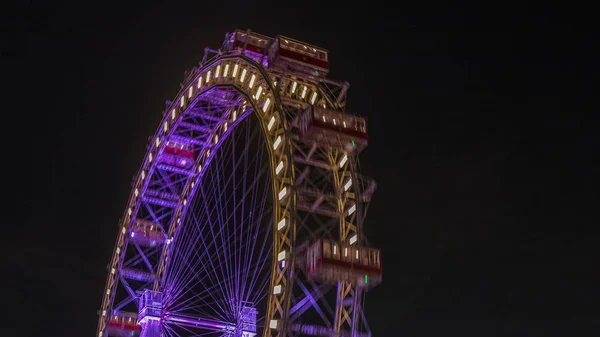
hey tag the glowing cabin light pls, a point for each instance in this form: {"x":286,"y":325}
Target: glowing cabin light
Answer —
{"x":143,"y":175}
{"x":324,"y":119}
{"x":190,"y":92}
{"x":216,"y":139}
{"x":136,"y":192}
{"x":252,"y":79}
{"x":235,"y":70}
{"x":271,"y":122}
{"x":304,"y":92}
{"x":281,"y":255}
{"x":123,"y":230}
{"x":344,"y":160}
{"x":225,"y":127}
{"x":346,"y":251}
{"x":184,"y":202}
{"x":100,"y":333}
{"x":258,"y":92}
{"x":275,"y":83}
{"x":281,"y":224}
{"x":352,"y":209}
{"x":208,"y":77}
{"x":103,"y":312}
{"x":234,"y":115}
{"x":166,"y":126}
{"x":348,"y":184}
{"x":313,"y":98}
{"x":182,"y":101}
{"x":273,"y":324}
{"x":108,"y":291}
{"x":353,"y":239}
{"x":157,"y":141}
{"x":334,"y":122}
{"x":199,"y":168}
{"x":132,"y":234}
{"x":200,"y":82}
{"x":218,"y":71}
{"x":150,"y":157}
{"x":226,"y":71}
{"x":277,"y":142}
{"x":277,"y":289}
{"x":294,"y":85}
{"x":173,"y":114}
{"x":113,"y":271}
{"x":243,"y":77}
{"x":279,"y":167}
{"x":344,"y":123}
{"x":118,"y":250}
{"x":334,"y":250}
{"x":267,"y":103}
{"x":129,"y":211}
{"x":207,"y":153}
{"x":192,"y":184}
{"x":282,"y":193}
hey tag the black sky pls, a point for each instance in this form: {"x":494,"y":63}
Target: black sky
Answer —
{"x":482,"y":139}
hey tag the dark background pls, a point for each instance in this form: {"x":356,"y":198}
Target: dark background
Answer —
{"x":482,"y":140}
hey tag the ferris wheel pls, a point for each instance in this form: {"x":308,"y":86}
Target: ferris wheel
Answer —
{"x":246,"y":217}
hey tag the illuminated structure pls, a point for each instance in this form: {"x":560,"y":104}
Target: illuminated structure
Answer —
{"x":246,"y":215}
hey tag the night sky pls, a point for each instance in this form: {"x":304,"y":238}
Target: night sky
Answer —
{"x":481,"y":140}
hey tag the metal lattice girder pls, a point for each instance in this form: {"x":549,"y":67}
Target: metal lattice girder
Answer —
{"x":309,"y":189}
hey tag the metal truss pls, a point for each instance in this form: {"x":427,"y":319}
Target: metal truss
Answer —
{"x":311,"y":190}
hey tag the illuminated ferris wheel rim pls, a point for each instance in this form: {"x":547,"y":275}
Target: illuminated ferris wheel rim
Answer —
{"x":168,"y":120}
{"x":220,"y":72}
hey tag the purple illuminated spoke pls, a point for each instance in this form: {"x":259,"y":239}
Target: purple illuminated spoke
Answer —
{"x":221,"y":256}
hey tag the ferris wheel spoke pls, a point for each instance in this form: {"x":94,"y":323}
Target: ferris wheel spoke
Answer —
{"x":198,"y":261}
{"x":187,"y":332}
{"x":189,"y":306}
{"x":191,"y":247}
{"x":200,"y":266}
{"x":208,"y":298}
{"x":220,"y":205}
{"x":218,"y":253}
{"x":262,"y":253}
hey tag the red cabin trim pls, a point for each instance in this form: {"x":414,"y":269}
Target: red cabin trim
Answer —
{"x":240,"y":44}
{"x":353,"y":266}
{"x":125,"y":326}
{"x":303,"y":58}
{"x":320,"y":124}
{"x":179,"y":152}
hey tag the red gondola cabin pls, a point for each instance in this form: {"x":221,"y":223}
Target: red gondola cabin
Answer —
{"x":330,"y":261}
{"x":333,"y":128}
{"x":299,"y":55}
